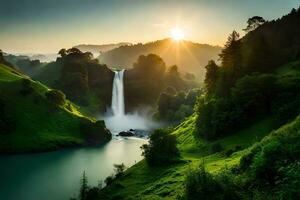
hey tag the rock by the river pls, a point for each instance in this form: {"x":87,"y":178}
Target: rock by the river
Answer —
{"x":126,"y":134}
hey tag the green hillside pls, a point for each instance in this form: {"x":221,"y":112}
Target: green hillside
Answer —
{"x":31,"y":122}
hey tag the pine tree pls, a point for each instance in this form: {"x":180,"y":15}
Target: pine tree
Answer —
{"x":83,"y":187}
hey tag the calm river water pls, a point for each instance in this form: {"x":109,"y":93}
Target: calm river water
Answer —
{"x":56,"y":175}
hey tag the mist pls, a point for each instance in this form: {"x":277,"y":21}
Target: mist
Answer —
{"x":135,"y":121}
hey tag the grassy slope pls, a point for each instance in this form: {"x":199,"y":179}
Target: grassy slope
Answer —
{"x":40,"y":125}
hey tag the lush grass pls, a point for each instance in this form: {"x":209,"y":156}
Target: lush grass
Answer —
{"x":39,"y":124}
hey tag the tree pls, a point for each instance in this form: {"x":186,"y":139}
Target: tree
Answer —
{"x":161,"y":149}
{"x":74,"y":51}
{"x":230,"y":55}
{"x":1,"y":55}
{"x":62,"y":52}
{"x":83,"y":187}
{"x":211,"y":75}
{"x":254,"y":22}
{"x":119,"y":169}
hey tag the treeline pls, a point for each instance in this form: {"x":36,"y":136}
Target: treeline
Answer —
{"x":248,"y":84}
{"x":83,"y":79}
{"x":150,"y":77}
{"x":174,"y":106}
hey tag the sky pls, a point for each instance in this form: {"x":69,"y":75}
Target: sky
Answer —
{"x":45,"y":26}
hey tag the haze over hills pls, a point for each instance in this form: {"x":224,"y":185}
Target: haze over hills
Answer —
{"x":188,"y":56}
{"x":50,"y":57}
{"x":97,"y":49}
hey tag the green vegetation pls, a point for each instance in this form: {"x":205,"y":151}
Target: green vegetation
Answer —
{"x":174,"y":107}
{"x":149,"y":77}
{"x":89,"y":84}
{"x":34,"y":118}
{"x":75,"y":73}
{"x":161,"y":149}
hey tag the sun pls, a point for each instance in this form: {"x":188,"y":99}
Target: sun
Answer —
{"x":177,"y":34}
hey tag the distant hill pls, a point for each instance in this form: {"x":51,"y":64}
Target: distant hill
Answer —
{"x":189,"y":56}
{"x":14,"y":58}
{"x":96,"y":49}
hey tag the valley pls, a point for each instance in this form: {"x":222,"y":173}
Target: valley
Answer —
{"x":202,"y":102}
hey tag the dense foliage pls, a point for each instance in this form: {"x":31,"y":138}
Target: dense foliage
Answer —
{"x":149,"y":78}
{"x":82,"y":77}
{"x":200,"y":184}
{"x":175,"y":107}
{"x":248,"y":85}
{"x":161,"y":149}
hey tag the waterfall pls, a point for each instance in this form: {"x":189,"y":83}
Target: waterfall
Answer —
{"x":117,"y":103}
{"x":120,"y":121}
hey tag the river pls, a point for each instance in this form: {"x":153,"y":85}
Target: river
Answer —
{"x":56,"y":175}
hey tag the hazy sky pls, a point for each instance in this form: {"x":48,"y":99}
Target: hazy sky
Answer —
{"x":47,"y":25}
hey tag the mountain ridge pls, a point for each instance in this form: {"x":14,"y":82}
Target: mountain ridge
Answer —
{"x":190,"y":57}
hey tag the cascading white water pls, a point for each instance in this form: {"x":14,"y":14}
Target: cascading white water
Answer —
{"x":119,"y":121}
{"x":117,"y":103}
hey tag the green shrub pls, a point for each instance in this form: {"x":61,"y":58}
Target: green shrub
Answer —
{"x":56,"y":96}
{"x":161,"y":149}
{"x":200,"y":184}
{"x":95,"y":132}
{"x":119,"y":169}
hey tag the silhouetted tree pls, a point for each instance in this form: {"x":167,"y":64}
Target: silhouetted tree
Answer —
{"x":230,"y":55}
{"x":211,"y":75}
{"x":119,"y":169}
{"x":83,"y":187}
{"x":1,"y":55}
{"x":74,"y":51}
{"x":254,"y":23}
{"x":62,"y":52}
